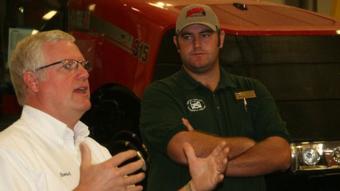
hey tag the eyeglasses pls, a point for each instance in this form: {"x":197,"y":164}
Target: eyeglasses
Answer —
{"x":69,"y":64}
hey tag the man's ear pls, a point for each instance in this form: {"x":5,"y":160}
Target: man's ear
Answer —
{"x":175,"y":40}
{"x":222,"y":35}
{"x":31,"y":81}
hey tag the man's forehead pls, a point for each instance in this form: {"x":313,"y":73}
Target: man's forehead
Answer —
{"x":61,"y":49}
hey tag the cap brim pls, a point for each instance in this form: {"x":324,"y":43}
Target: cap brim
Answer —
{"x":211,"y":26}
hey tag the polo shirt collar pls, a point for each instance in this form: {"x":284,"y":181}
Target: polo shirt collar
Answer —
{"x":48,"y":127}
{"x":226,"y":80}
{"x":186,"y":80}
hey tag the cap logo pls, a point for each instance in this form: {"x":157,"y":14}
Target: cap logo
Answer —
{"x":196,"y":12}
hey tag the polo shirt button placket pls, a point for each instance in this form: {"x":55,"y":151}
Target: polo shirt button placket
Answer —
{"x":216,"y":102}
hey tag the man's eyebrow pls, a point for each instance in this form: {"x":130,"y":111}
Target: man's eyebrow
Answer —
{"x":207,"y":31}
{"x":185,"y":33}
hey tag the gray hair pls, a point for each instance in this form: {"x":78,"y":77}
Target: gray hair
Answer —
{"x":28,"y":56}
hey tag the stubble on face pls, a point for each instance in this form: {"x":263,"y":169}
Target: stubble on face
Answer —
{"x":199,"y":55}
{"x":196,"y":68}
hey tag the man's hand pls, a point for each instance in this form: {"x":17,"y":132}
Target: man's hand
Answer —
{"x":107,"y":175}
{"x":207,"y":172}
{"x":187,"y":124}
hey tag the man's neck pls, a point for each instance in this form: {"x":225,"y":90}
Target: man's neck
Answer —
{"x":68,"y":119}
{"x":209,"y":79}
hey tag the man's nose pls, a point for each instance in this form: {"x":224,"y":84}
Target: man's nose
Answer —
{"x":197,"y":42}
{"x":83,"y":72}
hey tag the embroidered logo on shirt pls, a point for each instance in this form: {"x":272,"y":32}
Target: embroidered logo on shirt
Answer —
{"x":195,"y":105}
{"x":62,"y":174}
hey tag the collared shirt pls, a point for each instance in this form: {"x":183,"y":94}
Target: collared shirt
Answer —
{"x":39,"y":152}
{"x":218,"y":113}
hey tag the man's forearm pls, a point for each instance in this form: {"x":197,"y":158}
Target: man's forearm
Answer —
{"x":204,"y":143}
{"x":265,"y":157}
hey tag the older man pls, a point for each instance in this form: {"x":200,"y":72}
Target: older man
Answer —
{"x":48,"y":148}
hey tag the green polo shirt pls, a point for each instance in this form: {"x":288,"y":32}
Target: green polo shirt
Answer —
{"x":166,"y":101}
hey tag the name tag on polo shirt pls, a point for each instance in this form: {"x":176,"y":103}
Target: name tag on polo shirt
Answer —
{"x":244,"y":95}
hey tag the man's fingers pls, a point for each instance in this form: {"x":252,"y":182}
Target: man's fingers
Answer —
{"x":119,"y":158}
{"x":134,"y":179}
{"x":219,"y":148}
{"x":226,"y":153}
{"x":226,"y":150}
{"x":187,"y":124}
{"x":220,"y":177}
{"x":189,"y":152}
{"x":85,"y":155}
{"x":131,"y":167}
{"x":135,"y":188}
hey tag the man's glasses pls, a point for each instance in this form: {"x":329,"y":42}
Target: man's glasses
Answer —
{"x":69,"y":64}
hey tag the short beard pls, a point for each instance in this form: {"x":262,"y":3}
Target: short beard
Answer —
{"x":200,"y":70}
{"x":197,"y":70}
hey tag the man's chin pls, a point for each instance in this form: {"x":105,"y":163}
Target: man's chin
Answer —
{"x":88,"y":106}
{"x":85,"y":107}
{"x":197,"y":70}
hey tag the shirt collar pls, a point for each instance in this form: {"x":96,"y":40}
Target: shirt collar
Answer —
{"x":48,"y":127}
{"x":226,"y":80}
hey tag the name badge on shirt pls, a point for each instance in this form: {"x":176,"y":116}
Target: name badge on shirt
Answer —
{"x":244,"y":95}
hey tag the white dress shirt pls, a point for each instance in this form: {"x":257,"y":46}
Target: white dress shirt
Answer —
{"x":39,"y":152}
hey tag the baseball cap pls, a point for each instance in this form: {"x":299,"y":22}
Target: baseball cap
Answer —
{"x":197,"y":14}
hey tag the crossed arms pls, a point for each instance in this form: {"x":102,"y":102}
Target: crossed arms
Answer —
{"x":246,"y":157}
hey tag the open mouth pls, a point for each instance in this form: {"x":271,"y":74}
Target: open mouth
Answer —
{"x":82,"y":90}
